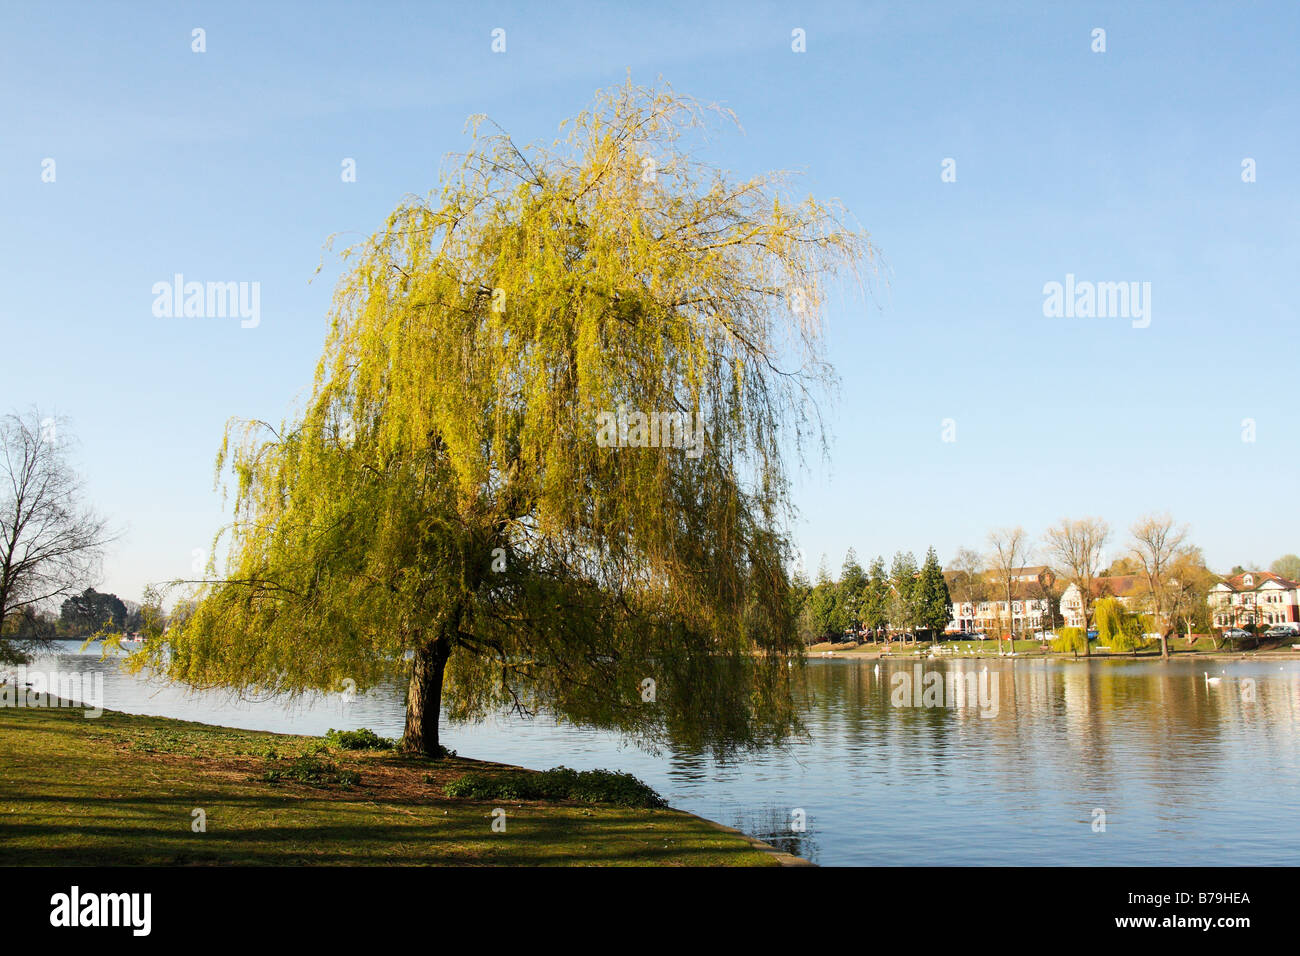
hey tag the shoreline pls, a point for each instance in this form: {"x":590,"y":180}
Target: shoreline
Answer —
{"x":157,"y":773}
{"x":835,"y":652}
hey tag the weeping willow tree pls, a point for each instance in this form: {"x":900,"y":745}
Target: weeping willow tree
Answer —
{"x":544,"y":460}
{"x":1117,"y":627}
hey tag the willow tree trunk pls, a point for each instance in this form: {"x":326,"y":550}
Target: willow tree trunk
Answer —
{"x":424,"y":699}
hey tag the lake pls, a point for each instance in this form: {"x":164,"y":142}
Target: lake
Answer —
{"x":1042,"y":762}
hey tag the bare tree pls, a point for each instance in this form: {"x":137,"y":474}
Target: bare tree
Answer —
{"x":1187,"y":589}
{"x":967,"y":584}
{"x":1043,"y":588}
{"x":1076,"y":545}
{"x":1009,"y":552}
{"x":1157,"y":545}
{"x":51,"y":545}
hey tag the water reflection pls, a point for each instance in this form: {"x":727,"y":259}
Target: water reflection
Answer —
{"x":1186,"y":772}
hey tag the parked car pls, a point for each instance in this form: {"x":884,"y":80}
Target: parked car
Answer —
{"x":1236,"y":634}
{"x":1288,"y":629}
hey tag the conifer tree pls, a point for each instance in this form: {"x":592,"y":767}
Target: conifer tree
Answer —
{"x":933,"y":600}
{"x":903,"y":580}
{"x":876,"y":594}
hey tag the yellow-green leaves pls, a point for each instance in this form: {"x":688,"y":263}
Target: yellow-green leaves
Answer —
{"x":473,"y":347}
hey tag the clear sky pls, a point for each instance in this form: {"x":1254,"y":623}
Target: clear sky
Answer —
{"x":1115,"y":166}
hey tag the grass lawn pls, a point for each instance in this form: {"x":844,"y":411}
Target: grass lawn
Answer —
{"x":1177,"y":647}
{"x":898,"y":649}
{"x":121,"y":790}
{"x":976,"y":647}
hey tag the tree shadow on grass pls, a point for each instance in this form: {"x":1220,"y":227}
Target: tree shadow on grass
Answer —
{"x":530,"y":840}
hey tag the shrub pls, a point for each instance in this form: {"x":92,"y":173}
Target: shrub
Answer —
{"x":558,"y":783}
{"x":1070,"y":639}
{"x":312,"y":769}
{"x":363,"y":739}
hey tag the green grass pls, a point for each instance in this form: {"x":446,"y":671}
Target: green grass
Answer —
{"x":983,"y":647}
{"x":363,"y":739}
{"x":121,"y":790}
{"x":1177,"y":647}
{"x":559,"y":783}
{"x":899,"y":649}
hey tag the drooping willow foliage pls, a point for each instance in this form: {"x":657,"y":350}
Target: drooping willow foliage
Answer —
{"x":443,"y":511}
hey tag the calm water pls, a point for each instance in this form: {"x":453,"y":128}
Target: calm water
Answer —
{"x":1185,"y":772}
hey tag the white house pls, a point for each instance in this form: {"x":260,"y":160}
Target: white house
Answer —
{"x":1254,"y":597}
{"x":1029,"y":604}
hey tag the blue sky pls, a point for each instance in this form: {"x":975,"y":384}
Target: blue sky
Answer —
{"x":1117,"y":166}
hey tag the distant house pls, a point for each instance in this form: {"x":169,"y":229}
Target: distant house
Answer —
{"x":1254,"y":597}
{"x":1034,"y":574}
{"x":1029,"y":603}
{"x":1128,"y":589}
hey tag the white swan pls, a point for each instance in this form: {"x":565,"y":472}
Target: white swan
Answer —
{"x":1211,"y":680}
